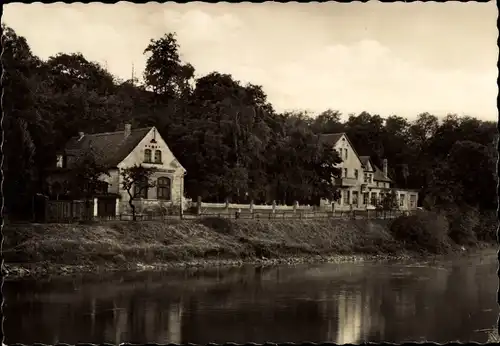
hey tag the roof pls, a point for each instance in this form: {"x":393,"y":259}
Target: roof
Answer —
{"x":113,"y":147}
{"x":330,"y":138}
{"x":379,"y":175}
{"x":365,"y":160}
{"x":333,"y":138}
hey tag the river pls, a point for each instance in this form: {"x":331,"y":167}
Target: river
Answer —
{"x":449,"y":300}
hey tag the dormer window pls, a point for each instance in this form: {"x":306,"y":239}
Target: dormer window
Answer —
{"x":157,"y":156}
{"x":147,"y":155}
{"x":59,"y":161}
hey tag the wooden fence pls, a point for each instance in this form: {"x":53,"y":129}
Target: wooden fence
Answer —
{"x":68,"y":211}
{"x":75,"y":211}
{"x":261,"y":215}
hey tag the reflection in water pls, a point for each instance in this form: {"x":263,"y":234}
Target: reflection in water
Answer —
{"x":350,"y":319}
{"x":343,"y":303}
{"x":174,"y":324}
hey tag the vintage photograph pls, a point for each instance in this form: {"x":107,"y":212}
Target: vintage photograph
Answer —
{"x":249,"y":172}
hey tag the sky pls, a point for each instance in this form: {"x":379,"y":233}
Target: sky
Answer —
{"x":384,"y":58}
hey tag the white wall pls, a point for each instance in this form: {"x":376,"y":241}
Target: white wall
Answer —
{"x":169,"y":167}
{"x":352,"y":162}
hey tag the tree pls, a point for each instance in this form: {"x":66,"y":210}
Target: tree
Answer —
{"x":226,"y":130}
{"x":87,"y":174}
{"x":165,"y":75}
{"x":67,"y":71}
{"x":21,"y":121}
{"x":328,"y":122}
{"x":135,"y":180}
{"x":366,"y":132}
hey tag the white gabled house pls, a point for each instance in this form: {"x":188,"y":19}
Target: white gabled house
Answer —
{"x":117,"y":151}
{"x":362,"y":184}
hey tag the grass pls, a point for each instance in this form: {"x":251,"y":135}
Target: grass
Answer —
{"x":118,"y":244}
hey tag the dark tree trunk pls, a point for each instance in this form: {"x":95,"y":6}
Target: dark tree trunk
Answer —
{"x":132,"y":206}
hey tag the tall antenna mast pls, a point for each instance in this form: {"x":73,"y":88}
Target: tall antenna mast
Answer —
{"x":132,"y":73}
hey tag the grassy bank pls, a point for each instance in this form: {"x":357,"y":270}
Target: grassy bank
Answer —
{"x":50,"y":248}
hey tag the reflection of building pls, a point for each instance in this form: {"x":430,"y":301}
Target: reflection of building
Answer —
{"x":350,"y":318}
{"x":114,"y":332}
{"x":174,"y":324}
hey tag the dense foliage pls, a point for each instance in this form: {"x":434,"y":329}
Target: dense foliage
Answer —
{"x":227,"y":135}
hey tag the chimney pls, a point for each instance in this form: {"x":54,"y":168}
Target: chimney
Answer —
{"x":384,"y":167}
{"x":128,"y":130}
{"x":80,"y":135}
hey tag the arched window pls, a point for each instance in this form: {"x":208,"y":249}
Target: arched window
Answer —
{"x":141,"y":189}
{"x":147,"y":155}
{"x":163,"y":188}
{"x":157,"y":156}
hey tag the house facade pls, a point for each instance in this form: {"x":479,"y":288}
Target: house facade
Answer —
{"x":362,"y":184}
{"x":120,"y":150}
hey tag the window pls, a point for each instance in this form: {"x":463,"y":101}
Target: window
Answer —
{"x":147,"y":155}
{"x":157,"y":156}
{"x":345,"y":172}
{"x":140,"y":189}
{"x":371,"y":178}
{"x":401,"y":200}
{"x":163,"y":188}
{"x":413,"y":200}
{"x":374,"y":198}
{"x":345,"y":153}
{"x":356,"y":174}
{"x":365,"y":197}
{"x":346,"y":197}
{"x":101,"y":188}
{"x":59,"y":162}
{"x":355,"y":197}
{"x":365,"y":178}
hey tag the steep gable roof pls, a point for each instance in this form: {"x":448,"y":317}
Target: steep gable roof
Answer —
{"x":112,"y":147}
{"x":330,"y":138}
{"x":333,"y":138}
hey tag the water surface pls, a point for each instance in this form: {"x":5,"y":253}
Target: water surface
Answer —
{"x":344,"y":303}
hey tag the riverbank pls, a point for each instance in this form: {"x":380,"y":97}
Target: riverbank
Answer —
{"x":55,"y":249}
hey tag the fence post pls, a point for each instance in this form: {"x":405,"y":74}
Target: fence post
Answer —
{"x":117,"y":207}
{"x":198,"y":205}
{"x":227,"y":206}
{"x":274,"y":207}
{"x":94,"y":214}
{"x":251,"y":208}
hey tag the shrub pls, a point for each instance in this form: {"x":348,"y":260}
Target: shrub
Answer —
{"x":486,"y":230}
{"x":422,"y":231}
{"x":463,"y":223}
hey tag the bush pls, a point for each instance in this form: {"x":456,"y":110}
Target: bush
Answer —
{"x":463,"y":224}
{"x":486,"y":230}
{"x":422,"y":231}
